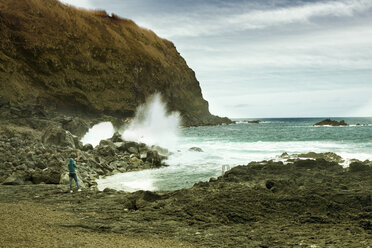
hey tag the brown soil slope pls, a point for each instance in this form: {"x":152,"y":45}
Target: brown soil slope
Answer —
{"x":68,"y":58}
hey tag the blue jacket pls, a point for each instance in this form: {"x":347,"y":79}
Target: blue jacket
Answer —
{"x":71,"y":166}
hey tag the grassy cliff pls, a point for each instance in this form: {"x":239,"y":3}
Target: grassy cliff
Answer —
{"x":74,"y":59}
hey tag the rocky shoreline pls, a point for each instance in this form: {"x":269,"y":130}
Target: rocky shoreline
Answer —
{"x":35,"y":147}
{"x":310,"y":200}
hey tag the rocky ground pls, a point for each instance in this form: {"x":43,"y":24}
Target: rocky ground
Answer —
{"x":307,"y":203}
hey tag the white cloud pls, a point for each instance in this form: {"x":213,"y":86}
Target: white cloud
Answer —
{"x":79,"y":3}
{"x":316,"y":49}
{"x":298,"y":14}
{"x":216,"y":21}
{"x":365,"y":109}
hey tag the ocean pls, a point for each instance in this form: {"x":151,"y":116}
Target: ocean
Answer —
{"x":241,"y":143}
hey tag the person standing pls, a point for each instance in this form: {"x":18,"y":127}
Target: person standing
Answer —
{"x":72,"y":174}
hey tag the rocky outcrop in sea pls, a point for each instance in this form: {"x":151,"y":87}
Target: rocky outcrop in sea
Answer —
{"x":333,"y":123}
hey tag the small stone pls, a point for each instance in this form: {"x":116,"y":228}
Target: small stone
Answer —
{"x":196,"y":149}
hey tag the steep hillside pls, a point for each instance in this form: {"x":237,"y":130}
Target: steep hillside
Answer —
{"x":72,"y":59}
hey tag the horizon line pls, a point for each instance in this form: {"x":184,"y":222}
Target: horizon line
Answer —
{"x":314,"y":117}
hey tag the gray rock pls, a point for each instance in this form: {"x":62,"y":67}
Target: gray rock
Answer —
{"x":135,"y":162}
{"x":116,"y":137}
{"x":14,"y":179}
{"x":120,"y":146}
{"x":58,"y":136}
{"x":87,"y":147}
{"x":65,"y":179}
{"x":47,"y":175}
{"x":105,"y":150}
{"x":119,"y":164}
{"x":143,"y":155}
{"x":133,"y":150}
{"x":153,"y":158}
{"x":195,"y":149}
{"x":75,"y":125}
{"x":77,"y":142}
{"x":107,"y":143}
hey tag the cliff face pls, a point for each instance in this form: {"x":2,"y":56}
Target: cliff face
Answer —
{"x":73,"y":59}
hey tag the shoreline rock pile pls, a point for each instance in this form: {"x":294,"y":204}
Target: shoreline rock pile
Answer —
{"x":35,"y":149}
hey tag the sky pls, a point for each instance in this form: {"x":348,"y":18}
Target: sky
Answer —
{"x":267,"y":58}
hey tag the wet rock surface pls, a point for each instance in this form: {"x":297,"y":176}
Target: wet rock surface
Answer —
{"x":307,"y":203}
{"x":328,"y":156}
{"x":254,"y":121}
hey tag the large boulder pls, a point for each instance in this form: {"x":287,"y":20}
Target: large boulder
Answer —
{"x":58,"y":136}
{"x":106,"y":150}
{"x":14,"y":179}
{"x":87,"y":147}
{"x":107,"y":143}
{"x":132,"y":147}
{"x":65,"y":179}
{"x":135,"y":162}
{"x":116,"y":137}
{"x":153,"y":158}
{"x":47,"y":175}
{"x":76,"y":126}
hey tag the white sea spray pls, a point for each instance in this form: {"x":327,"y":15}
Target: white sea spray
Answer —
{"x":98,"y":132}
{"x":154,"y":125}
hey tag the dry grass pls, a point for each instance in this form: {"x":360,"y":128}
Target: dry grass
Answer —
{"x":55,"y":51}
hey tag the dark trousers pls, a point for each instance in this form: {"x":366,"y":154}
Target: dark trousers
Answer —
{"x":73,"y":176}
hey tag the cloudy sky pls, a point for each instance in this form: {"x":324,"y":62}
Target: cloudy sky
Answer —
{"x":267,"y":58}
